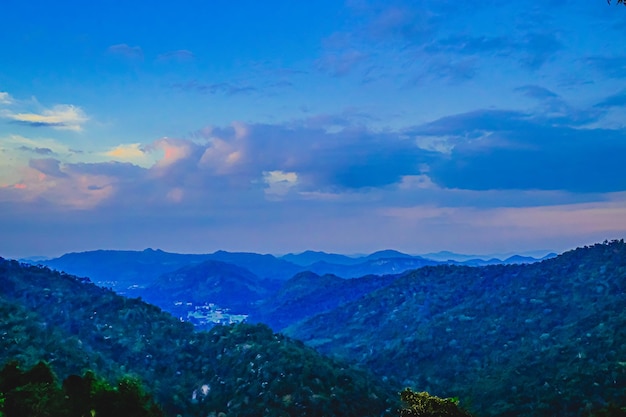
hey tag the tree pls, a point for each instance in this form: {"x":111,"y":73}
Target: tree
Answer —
{"x":422,"y":404}
{"x":37,"y":393}
{"x":618,"y":2}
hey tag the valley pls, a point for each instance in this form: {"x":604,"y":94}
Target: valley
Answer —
{"x":523,"y":338}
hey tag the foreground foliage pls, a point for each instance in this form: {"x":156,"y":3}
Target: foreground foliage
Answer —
{"x":36,"y":392}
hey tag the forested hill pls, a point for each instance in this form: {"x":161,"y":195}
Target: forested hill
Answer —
{"x":541,"y":339}
{"x":239,"y":370}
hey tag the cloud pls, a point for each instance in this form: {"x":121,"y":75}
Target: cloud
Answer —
{"x":62,"y":117}
{"x":47,"y":166}
{"x":52,"y":184}
{"x":340,"y":63}
{"x":343,"y":158}
{"x":532,"y":49}
{"x":496,"y":177}
{"x":222,"y":156}
{"x":226,"y":88}
{"x":131,"y":152}
{"x":174,"y":150}
{"x":509,"y":228}
{"x":609,"y":66}
{"x":514,"y":150}
{"x":538,"y":48}
{"x":5,"y":98}
{"x":38,"y":150}
{"x":181,"y":55}
{"x":615,"y":100}
{"x":279,"y":182}
{"x":472,"y":45}
{"x":449,"y":160}
{"x":126,"y":51}
{"x":553,"y":109}
{"x":399,"y":22}
{"x":537,"y":92}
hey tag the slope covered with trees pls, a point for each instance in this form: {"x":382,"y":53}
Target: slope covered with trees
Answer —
{"x":238,"y":370}
{"x":212,"y":281}
{"x":308,"y":294}
{"x":533,"y":339}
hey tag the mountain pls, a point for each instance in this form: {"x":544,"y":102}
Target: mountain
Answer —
{"x":128,"y":272}
{"x":522,"y":339}
{"x":264,"y":266}
{"x":518,"y":259}
{"x":490,"y":259}
{"x":387,"y":254}
{"x":308,"y":294}
{"x":310,"y":257}
{"x":237,"y":370}
{"x":122,"y":269}
{"x":371,"y":266}
{"x":211,"y":282}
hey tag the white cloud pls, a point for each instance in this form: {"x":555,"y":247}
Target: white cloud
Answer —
{"x":279,"y":182}
{"x":5,"y":98}
{"x":61,"y":116}
{"x":441,"y":144}
{"x":131,"y":152}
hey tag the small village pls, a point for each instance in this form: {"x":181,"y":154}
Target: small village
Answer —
{"x":208,"y":314}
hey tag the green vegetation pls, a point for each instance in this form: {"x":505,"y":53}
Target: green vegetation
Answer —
{"x":240,"y":370}
{"x":522,"y":340}
{"x":611,"y":410}
{"x":512,"y":340}
{"x":36,"y":392}
{"x":422,"y":404}
{"x":308,"y":294}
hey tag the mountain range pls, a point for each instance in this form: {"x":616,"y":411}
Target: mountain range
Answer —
{"x":527,"y":339}
{"x":123,"y":269}
{"x":243,"y":370}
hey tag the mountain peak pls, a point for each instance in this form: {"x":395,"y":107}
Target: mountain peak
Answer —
{"x":387,"y":253}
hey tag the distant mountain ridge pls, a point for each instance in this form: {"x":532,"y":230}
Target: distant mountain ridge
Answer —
{"x":123,"y":269}
{"x":229,"y":286}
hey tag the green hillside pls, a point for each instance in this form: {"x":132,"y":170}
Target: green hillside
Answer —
{"x":209,"y":282}
{"x":238,"y":370}
{"x":529,"y":340}
{"x":308,"y":294}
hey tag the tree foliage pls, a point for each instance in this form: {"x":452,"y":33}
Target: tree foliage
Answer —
{"x":422,"y":404}
{"x":237,"y":370}
{"x":37,"y":393}
{"x":529,"y":340}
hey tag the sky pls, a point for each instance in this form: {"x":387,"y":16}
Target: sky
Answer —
{"x":282,"y":126}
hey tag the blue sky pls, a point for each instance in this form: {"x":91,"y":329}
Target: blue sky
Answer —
{"x":277,"y":127}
